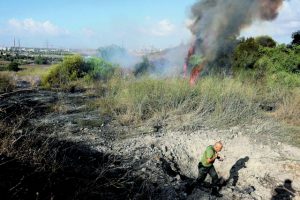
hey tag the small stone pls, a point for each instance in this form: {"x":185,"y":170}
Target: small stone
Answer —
{"x":143,"y":169}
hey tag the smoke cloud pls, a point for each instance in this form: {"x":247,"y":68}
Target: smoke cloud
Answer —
{"x":217,"y":22}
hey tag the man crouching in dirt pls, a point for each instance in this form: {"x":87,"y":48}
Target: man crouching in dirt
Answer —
{"x":206,"y":166}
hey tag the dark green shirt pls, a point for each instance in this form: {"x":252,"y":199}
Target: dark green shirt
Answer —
{"x":208,"y":153}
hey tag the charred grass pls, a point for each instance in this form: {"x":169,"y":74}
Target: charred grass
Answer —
{"x":35,"y":165}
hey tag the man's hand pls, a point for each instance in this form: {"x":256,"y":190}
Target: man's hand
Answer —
{"x":219,"y":157}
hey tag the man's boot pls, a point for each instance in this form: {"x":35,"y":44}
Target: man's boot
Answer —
{"x":215,"y":192}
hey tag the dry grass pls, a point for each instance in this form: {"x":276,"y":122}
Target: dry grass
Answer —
{"x":289,"y":109}
{"x":214,"y":102}
{"x":221,"y":101}
{"x":33,"y":70}
{"x":6,"y":82}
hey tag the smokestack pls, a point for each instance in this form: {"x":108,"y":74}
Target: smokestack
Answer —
{"x":216,"y":23}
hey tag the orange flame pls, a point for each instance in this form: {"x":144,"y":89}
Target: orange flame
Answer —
{"x":195,"y":73}
{"x":186,"y":63}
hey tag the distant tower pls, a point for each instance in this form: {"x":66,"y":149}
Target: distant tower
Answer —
{"x":19,"y":43}
{"x":14,"y":42}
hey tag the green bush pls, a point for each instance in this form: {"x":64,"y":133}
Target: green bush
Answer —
{"x":13,"y":66}
{"x":71,"y":69}
{"x":39,"y":60}
{"x":74,"y":68}
{"x":98,"y":69}
{"x":144,"y":67}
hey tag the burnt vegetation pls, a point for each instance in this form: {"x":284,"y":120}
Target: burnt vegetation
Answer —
{"x":35,"y":165}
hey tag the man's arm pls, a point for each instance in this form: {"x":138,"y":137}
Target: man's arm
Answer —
{"x":212,"y":159}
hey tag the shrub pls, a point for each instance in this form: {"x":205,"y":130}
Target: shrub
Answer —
{"x":98,"y":69}
{"x":40,"y":60}
{"x":13,"y":66}
{"x":71,"y":69}
{"x":74,"y":68}
{"x":143,"y":67}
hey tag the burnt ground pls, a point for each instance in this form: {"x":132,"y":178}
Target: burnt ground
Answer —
{"x":54,"y":146}
{"x":42,"y":162}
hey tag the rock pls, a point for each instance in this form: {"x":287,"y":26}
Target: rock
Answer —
{"x":249,"y":189}
{"x":177,"y":177}
{"x":19,"y":131}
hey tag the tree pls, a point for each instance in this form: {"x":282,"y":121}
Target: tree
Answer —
{"x":296,"y":38}
{"x":246,"y":54}
{"x":39,"y":60}
{"x":266,"y":41}
{"x":143,"y":67}
{"x":112,"y":53}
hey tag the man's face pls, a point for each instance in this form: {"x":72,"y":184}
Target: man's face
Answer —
{"x":218,"y":147}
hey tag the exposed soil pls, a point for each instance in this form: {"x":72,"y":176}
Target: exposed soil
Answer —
{"x":84,"y":157}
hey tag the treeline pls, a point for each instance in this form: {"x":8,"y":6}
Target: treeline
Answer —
{"x":262,"y":60}
{"x":28,"y":59}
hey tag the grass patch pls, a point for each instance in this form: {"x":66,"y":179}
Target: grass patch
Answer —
{"x":6,"y":83}
{"x":214,"y":102}
{"x":289,"y":108}
{"x":219,"y":100}
{"x":33,"y":70}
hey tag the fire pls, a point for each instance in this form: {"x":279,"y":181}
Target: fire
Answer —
{"x":195,"y":73}
{"x":196,"y":70}
{"x":186,"y":63}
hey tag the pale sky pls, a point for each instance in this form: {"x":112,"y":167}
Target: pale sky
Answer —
{"x":129,"y":23}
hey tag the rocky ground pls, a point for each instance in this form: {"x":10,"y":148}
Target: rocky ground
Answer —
{"x":158,"y":164}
